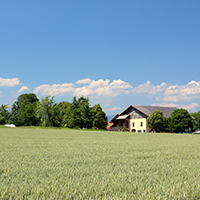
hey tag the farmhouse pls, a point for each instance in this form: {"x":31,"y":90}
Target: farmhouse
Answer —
{"x":134,"y":118}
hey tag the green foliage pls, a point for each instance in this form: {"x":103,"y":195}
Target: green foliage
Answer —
{"x":75,"y":164}
{"x":85,"y":113}
{"x":29,"y":111}
{"x":27,"y":114}
{"x":2,"y":120}
{"x":24,"y":110}
{"x":4,"y":114}
{"x":72,"y":117}
{"x":29,"y":98}
{"x":180,"y":121}
{"x":78,"y":114}
{"x":100,"y":120}
{"x":62,"y":107}
{"x":157,"y":121}
{"x":196,"y":120}
{"x":47,"y":110}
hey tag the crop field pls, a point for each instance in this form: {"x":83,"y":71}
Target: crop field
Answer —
{"x":80,"y":164}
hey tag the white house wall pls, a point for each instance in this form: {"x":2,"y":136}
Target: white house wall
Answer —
{"x":140,"y":125}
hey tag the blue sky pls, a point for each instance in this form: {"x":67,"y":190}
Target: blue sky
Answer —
{"x":118,"y":53}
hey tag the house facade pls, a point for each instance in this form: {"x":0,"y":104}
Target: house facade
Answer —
{"x":134,"y":118}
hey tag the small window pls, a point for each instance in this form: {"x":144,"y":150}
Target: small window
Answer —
{"x":133,"y":124}
{"x":139,"y":131}
{"x":141,"y":124}
{"x":143,"y":131}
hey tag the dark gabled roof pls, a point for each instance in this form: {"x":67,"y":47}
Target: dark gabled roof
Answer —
{"x":147,"y":110}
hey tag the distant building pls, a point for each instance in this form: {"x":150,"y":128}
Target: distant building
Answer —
{"x":134,"y":118}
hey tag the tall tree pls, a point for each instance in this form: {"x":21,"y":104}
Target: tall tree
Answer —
{"x":55,"y":115}
{"x":24,"y":110}
{"x":85,"y":113}
{"x":78,"y":114}
{"x":180,"y":121}
{"x":100,"y":120}
{"x":61,"y":110}
{"x":46,"y":110}
{"x":157,"y":121}
{"x":72,"y":117}
{"x":27,"y":114}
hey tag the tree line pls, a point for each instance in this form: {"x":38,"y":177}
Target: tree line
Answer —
{"x":29,"y":111}
{"x":179,"y":121}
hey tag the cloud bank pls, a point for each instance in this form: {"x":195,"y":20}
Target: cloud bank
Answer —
{"x":90,"y":88}
{"x":9,"y":82}
{"x":190,"y":107}
{"x":165,"y":94}
{"x":149,"y":88}
{"x":55,"y":89}
{"x":105,"y":91}
{"x":186,"y":92}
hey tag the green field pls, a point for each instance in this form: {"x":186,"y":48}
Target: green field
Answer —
{"x":75,"y":164}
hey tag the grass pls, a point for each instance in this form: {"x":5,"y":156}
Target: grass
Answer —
{"x":75,"y":164}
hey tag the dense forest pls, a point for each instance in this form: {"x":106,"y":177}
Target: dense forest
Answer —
{"x":29,"y":111}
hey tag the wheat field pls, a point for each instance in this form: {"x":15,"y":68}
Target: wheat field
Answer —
{"x":81,"y":164}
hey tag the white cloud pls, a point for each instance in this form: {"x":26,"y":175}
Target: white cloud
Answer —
{"x":191,"y":107}
{"x":84,"y":81}
{"x":9,"y":82}
{"x":91,"y":88}
{"x":186,"y":92}
{"x":104,"y":88}
{"x":169,"y":92}
{"x":149,"y":88}
{"x":23,"y":88}
{"x":55,"y":89}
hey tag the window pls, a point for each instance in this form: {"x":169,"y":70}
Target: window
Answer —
{"x":141,"y":124}
{"x":143,"y":131}
{"x":133,"y":124}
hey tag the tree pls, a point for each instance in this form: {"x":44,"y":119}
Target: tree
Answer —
{"x":30,"y":97}
{"x":78,"y":114}
{"x":14,"y":119}
{"x":27,"y":114}
{"x":196,"y":120}
{"x":180,"y":121}
{"x":85,"y":113}
{"x":4,"y":114}
{"x":72,"y":117}
{"x":100,"y":120}
{"x":46,"y":110}
{"x":157,"y":121}
{"x":55,"y":115}
{"x":62,"y":107}
{"x":2,"y":120}
{"x":24,"y":110}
